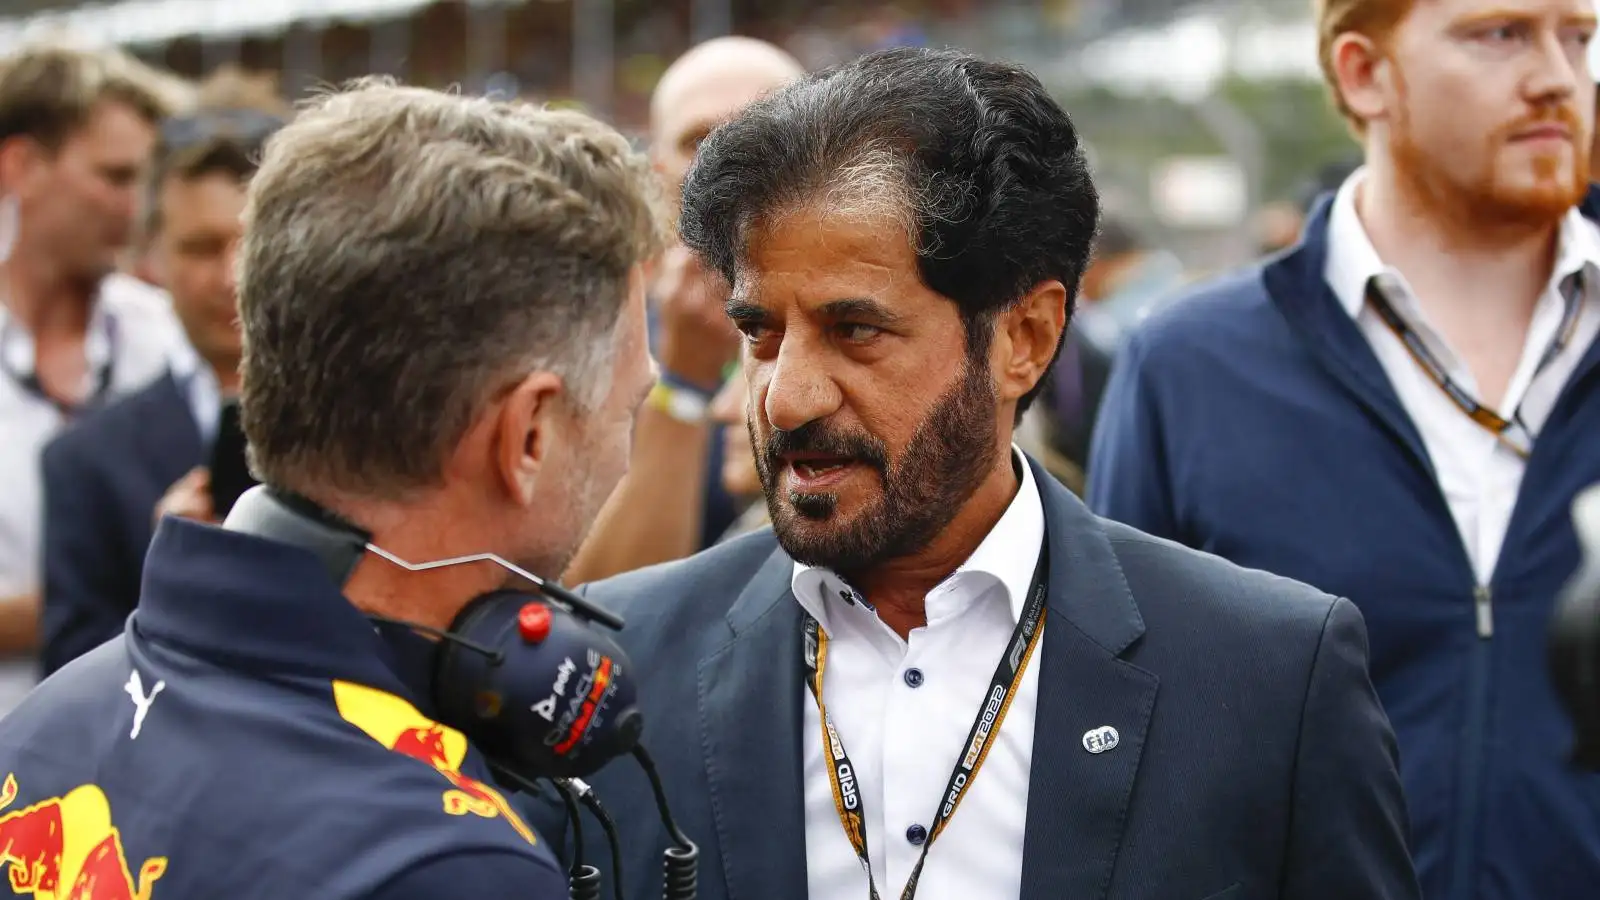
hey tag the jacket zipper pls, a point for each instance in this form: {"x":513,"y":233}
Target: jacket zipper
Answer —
{"x":1465,"y":849}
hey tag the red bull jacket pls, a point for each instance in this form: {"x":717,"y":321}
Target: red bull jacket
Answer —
{"x":252,"y":735}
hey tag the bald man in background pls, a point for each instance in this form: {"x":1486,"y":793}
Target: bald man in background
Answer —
{"x":672,"y":503}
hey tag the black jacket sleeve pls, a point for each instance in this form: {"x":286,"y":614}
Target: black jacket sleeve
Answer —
{"x":89,"y":585}
{"x":1349,"y":827}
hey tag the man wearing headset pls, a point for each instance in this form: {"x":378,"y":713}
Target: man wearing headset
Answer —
{"x":444,"y":343}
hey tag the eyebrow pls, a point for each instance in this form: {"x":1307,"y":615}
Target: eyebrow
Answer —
{"x":860,"y":308}
{"x":1511,"y":15}
{"x":741,"y":310}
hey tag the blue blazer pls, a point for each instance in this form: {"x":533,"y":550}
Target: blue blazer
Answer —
{"x":252,"y":736}
{"x":1254,"y":763}
{"x":102,"y":480}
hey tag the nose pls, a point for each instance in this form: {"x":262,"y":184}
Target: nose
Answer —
{"x":1556,"y":76}
{"x":798,"y":389}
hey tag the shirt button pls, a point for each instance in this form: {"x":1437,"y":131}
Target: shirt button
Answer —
{"x":916,"y":834}
{"x":913,"y":678}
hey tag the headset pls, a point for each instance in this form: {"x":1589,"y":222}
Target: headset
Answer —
{"x":525,"y":676}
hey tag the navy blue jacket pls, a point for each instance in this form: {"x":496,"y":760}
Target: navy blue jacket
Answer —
{"x":253,"y":736}
{"x":1254,"y":760}
{"x":103,"y":477}
{"x":1253,"y":420}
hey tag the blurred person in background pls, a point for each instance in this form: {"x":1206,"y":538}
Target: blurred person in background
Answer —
{"x":76,"y":132}
{"x":904,"y":236}
{"x":1127,"y":279}
{"x":1402,"y":410}
{"x":1277,"y":226}
{"x":739,"y":475}
{"x":672,"y":501}
{"x":105,"y":476}
{"x":136,"y":259}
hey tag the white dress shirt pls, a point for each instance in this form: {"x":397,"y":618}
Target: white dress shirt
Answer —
{"x":904,"y":741}
{"x":1478,"y":475}
{"x":132,"y":331}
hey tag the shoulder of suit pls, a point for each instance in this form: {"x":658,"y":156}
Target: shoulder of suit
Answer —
{"x":1220,"y":304}
{"x":1169,"y":579}
{"x":105,"y":432}
{"x":712,"y":579}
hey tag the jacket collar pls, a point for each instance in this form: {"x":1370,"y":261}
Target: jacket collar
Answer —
{"x":1296,"y":284}
{"x":1352,"y":261}
{"x":257,"y":605}
{"x":751,"y":691}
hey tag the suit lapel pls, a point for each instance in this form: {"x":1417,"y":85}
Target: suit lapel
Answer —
{"x":172,"y":437}
{"x":1082,"y":776}
{"x":750,"y":711}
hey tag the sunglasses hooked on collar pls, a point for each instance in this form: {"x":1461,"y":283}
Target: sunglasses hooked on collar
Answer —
{"x":246,"y":126}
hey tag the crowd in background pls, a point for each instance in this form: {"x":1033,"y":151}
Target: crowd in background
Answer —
{"x":70,"y":557}
{"x":121,"y":187}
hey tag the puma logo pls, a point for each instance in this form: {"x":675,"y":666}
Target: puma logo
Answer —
{"x":141,"y":701}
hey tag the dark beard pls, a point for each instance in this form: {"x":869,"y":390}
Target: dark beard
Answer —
{"x":947,"y":459}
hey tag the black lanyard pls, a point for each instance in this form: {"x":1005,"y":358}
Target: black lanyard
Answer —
{"x":1003,"y":686}
{"x":1484,"y":417}
{"x":30,"y":382}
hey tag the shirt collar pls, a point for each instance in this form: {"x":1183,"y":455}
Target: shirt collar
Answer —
{"x":1353,"y":261}
{"x":99,"y":341}
{"x":1008,"y":554}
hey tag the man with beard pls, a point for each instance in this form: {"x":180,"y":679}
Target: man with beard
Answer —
{"x":939,"y":674}
{"x":1401,"y":410}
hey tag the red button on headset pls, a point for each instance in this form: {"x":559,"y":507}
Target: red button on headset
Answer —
{"x":533,"y":622}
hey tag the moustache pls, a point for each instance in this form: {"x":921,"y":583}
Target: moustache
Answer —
{"x":1563,"y":114}
{"x":815,"y":437}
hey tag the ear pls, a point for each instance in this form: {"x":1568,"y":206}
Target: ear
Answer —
{"x":1361,"y":75}
{"x":532,"y":419}
{"x":1027,"y":337}
{"x":19,"y":161}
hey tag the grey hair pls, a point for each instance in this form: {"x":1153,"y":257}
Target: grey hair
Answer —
{"x":409,"y":253}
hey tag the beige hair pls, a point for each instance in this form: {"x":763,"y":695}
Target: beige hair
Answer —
{"x":407,"y":254}
{"x":230,"y":152}
{"x":230,"y":87}
{"x":48,"y":90}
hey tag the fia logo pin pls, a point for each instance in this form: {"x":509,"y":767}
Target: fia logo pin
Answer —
{"x":1101,"y":739}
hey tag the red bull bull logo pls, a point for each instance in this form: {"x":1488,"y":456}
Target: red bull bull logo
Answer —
{"x":402,"y":728}
{"x":65,"y":848}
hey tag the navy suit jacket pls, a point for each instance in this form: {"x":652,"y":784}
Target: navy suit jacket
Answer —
{"x":1255,"y":761}
{"x":102,"y":480}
